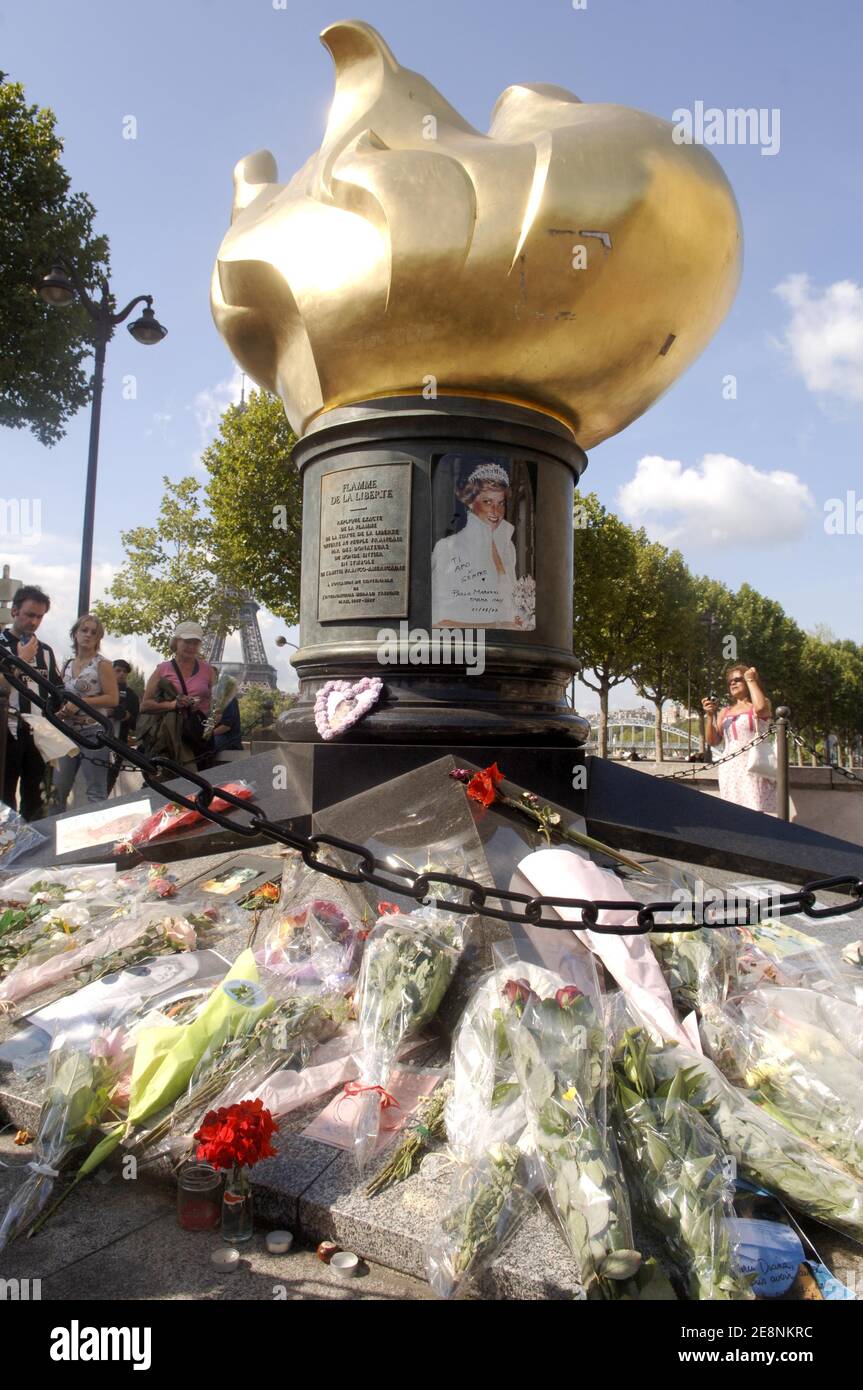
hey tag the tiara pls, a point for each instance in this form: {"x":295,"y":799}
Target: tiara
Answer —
{"x":489,"y":473}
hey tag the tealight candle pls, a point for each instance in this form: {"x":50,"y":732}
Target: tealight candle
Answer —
{"x":225,"y":1258}
{"x":279,"y":1242}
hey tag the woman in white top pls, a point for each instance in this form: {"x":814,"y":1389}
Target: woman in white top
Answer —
{"x":473,"y":571}
{"x":93,"y":678}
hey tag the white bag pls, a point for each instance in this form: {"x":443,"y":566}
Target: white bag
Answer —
{"x":128,"y":781}
{"x":761,"y":761}
{"x":50,"y":743}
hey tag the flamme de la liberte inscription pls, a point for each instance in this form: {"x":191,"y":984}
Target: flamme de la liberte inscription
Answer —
{"x":365,"y":542}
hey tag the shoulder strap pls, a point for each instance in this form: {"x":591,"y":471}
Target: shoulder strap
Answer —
{"x":179,"y":676}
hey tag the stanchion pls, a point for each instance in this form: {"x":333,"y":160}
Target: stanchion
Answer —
{"x":4,"y":725}
{"x":783,"y":714}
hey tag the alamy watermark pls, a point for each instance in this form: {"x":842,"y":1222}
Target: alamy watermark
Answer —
{"x":446,"y":646}
{"x":730,"y":905}
{"x":843,"y":516}
{"x":735,"y":126}
{"x":21,"y":518}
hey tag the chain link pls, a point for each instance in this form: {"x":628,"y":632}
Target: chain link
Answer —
{"x":834,"y":767}
{"x":417,"y":884}
{"x":715,"y":762}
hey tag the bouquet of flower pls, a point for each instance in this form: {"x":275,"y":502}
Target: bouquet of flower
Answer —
{"x":147,"y":883}
{"x":223,"y":692}
{"x":774,"y":1041}
{"x":767,"y":1153}
{"x":166,"y":1056}
{"x":495,"y":1177}
{"x":774,"y":952}
{"x":260,"y":898}
{"x":314,"y":944}
{"x":16,"y":836}
{"x":236,"y":1136}
{"x":239,"y":1061}
{"x":675,"y":1166}
{"x":407,"y":966}
{"x":426,"y":1125}
{"x":699,"y":966}
{"x":80,"y":1093}
{"x":558,"y":1046}
{"x":171,"y":818}
{"x":484,"y":788}
{"x":127,"y":942}
{"x":50,"y":932}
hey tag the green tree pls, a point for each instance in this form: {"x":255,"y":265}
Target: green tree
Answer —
{"x":672,"y":633}
{"x":611,"y":613}
{"x":169,"y":576}
{"x":710,"y":649}
{"x":42,"y":380}
{"x":252,"y":703}
{"x":255,"y":500}
{"x":769,"y":640}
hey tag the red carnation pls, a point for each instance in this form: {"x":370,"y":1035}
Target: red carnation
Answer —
{"x":483,"y":786}
{"x":236,"y":1136}
{"x":567,"y":996}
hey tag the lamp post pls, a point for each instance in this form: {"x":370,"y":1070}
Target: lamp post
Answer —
{"x":59,"y":289}
{"x":711,"y":622}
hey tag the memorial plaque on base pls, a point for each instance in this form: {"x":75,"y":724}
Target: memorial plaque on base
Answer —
{"x":365,"y":542}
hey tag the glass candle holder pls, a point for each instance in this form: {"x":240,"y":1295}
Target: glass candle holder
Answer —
{"x":199,"y":1197}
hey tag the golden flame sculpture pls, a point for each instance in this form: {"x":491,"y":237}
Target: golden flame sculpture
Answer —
{"x":575,"y":260}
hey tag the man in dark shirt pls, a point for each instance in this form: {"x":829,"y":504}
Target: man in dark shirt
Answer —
{"x":125,"y":715}
{"x":25,"y":768}
{"x":227,"y":733}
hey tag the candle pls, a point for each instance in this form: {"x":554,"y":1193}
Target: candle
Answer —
{"x":279,"y":1242}
{"x":225,"y":1258}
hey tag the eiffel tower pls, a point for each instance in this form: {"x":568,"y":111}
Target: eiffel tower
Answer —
{"x":254,"y":669}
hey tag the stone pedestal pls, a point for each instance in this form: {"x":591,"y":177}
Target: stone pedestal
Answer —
{"x":381,"y":497}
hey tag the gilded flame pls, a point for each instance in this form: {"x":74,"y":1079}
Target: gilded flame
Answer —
{"x":412,"y":249}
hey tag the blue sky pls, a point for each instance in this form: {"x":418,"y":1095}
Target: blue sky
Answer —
{"x":211,"y":80}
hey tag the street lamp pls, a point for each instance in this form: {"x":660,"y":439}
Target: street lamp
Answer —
{"x":59,"y":289}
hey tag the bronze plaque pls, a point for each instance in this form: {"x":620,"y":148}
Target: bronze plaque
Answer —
{"x":365,"y":543}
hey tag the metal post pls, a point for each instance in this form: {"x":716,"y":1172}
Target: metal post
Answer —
{"x":90,"y":494}
{"x":4,"y":725}
{"x":783,"y":714}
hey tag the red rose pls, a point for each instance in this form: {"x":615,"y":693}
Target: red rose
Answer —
{"x":567,"y":996}
{"x":236,"y":1136}
{"x":483,"y":786}
{"x":519,"y":992}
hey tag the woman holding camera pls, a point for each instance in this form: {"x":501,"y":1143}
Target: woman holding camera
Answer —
{"x":182,"y":686}
{"x":732,"y":727}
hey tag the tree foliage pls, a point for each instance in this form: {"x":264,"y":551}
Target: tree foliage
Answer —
{"x":168,"y":576}
{"x":252,"y":703}
{"x":255,"y":501}
{"x":43,"y":381}
{"x":612,"y":613}
{"x":639,"y":615}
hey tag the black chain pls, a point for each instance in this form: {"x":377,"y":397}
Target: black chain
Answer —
{"x":406,"y":882}
{"x":834,"y":767}
{"x":715,"y":762}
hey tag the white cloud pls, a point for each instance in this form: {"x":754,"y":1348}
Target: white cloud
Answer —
{"x":825,"y":335}
{"x":209,"y":407}
{"x":720,"y":502}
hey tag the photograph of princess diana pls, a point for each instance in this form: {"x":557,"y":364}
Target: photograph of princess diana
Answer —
{"x":483,"y":535}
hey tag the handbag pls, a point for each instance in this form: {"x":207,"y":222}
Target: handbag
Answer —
{"x":761,"y":760}
{"x":192,"y":723}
